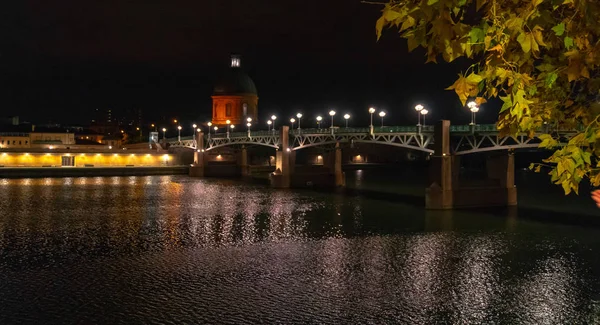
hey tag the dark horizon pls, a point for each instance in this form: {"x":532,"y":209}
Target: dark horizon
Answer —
{"x":62,"y":61}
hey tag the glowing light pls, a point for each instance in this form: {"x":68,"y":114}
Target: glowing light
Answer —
{"x":174,"y":121}
{"x":179,"y":127}
{"x":82,"y":154}
{"x":194,"y":125}
{"x":98,"y":154}
{"x":299,"y":115}
{"x":249,"y":119}
{"x":164,"y":130}
{"x":419,"y":108}
{"x":219,"y":157}
{"x":319,"y":118}
{"x":232,"y":126}
{"x":371,"y":110}
{"x":216,"y":128}
{"x":116,"y":154}
{"x":424,"y":112}
{"x":209,"y":124}
{"x":292,"y":120}
{"x":132,"y":155}
{"x":319,"y":157}
{"x":68,"y":155}
{"x":202,"y":150}
{"x":347,"y":116}
{"x":147,"y":155}
{"x":249,"y":124}
{"x":331,"y":113}
{"x":47,"y":154}
{"x":269,"y":122}
{"x":382,"y":113}
{"x":51,"y":147}
{"x":137,"y":129}
{"x":166,"y":157}
{"x":228,"y":122}
{"x":288,"y":150}
{"x":109,"y":147}
{"x":273,"y":117}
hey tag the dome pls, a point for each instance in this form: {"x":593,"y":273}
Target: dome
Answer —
{"x":235,"y":81}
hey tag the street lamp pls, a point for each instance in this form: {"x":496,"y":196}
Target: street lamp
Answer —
{"x":382,"y":115}
{"x":269,"y":122}
{"x":347,"y":117}
{"x":319,"y":119}
{"x":249,"y":124}
{"x":424,"y":112}
{"x":179,"y":133}
{"x":228,"y":122}
{"x":209,"y":125}
{"x":164,"y":133}
{"x":249,"y":120}
{"x":419,"y":108}
{"x":194,"y":125}
{"x":292,"y":120}
{"x":216,"y":128}
{"x":299,"y":116}
{"x":474,"y":108}
{"x":331,"y":113}
{"x":273,"y":118}
{"x":371,"y":111}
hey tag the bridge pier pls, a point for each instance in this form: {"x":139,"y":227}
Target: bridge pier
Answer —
{"x":445,"y":190}
{"x":197,"y":168}
{"x":281,"y":177}
{"x":243,"y":162}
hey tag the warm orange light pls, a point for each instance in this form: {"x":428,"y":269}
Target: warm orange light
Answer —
{"x":219,"y":157}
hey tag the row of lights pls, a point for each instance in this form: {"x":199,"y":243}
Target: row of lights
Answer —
{"x":421,"y":111}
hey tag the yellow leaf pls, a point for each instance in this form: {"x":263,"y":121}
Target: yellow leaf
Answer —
{"x":390,"y":15}
{"x":379,"y":26}
{"x":408,"y":23}
{"x":480,"y":100}
{"x":538,"y":36}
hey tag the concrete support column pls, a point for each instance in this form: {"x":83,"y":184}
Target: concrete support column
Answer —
{"x":197,"y":169}
{"x":243,"y":161}
{"x":439,"y":194}
{"x":281,"y":177}
{"x":501,"y":168}
{"x":340,"y":180}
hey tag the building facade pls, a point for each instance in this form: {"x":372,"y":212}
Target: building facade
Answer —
{"x":235,"y":98}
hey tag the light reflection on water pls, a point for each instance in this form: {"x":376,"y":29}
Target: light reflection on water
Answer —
{"x":175,"y":249}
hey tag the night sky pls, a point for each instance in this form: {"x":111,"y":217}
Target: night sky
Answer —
{"x":62,"y":59}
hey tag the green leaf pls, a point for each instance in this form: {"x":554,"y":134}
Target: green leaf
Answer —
{"x":559,"y":29}
{"x":568,"y":42}
{"x":379,"y":26}
{"x":477,"y":35}
{"x":474,"y":78}
{"x":431,"y":2}
{"x":550,"y":79}
{"x":507,"y":103}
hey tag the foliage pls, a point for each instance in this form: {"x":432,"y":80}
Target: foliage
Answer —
{"x":539,"y":57}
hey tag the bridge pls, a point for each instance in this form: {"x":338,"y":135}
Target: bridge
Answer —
{"x":465,"y":139}
{"x":445,"y":144}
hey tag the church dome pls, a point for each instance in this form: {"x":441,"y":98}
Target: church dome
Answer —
{"x":235,"y":81}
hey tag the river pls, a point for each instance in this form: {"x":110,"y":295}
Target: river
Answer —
{"x":173,"y":249}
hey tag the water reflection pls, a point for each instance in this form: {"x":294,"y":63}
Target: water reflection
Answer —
{"x":276,"y":256}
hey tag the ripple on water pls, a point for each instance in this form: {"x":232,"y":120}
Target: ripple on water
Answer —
{"x":168,"y":249}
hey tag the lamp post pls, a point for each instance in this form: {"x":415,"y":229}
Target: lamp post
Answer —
{"x":227,"y":122}
{"x":164,"y":133}
{"x":269,"y":122}
{"x":179,"y":133}
{"x":332,"y":114}
{"x":273,"y":118}
{"x":319,"y":119}
{"x":209,"y":125}
{"x":292,"y":120}
{"x":299,"y":116}
{"x":194,"y":125}
{"x":382,"y":115}
{"x":419,"y":108}
{"x":249,"y":124}
{"x":216,"y":128}
{"x":424,"y":112}
{"x":371,"y":111}
{"x":346,"y":117}
{"x":474,"y":108}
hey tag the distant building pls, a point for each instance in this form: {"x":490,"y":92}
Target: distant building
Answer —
{"x":10,"y":120}
{"x":235,"y":97}
{"x":27,"y":136}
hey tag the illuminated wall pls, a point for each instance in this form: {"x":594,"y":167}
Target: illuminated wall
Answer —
{"x":14,"y":141}
{"x":83,"y":159}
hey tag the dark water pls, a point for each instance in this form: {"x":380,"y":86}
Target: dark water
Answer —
{"x":142,"y":250}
